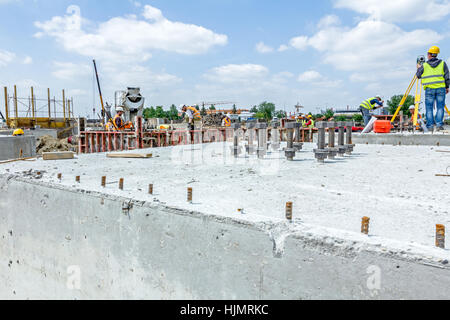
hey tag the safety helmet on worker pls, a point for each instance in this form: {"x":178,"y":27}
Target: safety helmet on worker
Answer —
{"x":412,"y":107}
{"x":378,"y":96}
{"x":119,"y":109}
{"x":310,"y":117}
{"x":18,"y":132}
{"x":434,"y":50}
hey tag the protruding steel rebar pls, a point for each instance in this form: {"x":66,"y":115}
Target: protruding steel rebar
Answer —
{"x":289,"y":207}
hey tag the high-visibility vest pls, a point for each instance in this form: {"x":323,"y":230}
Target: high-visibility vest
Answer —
{"x":227,"y":122}
{"x":121,"y":126}
{"x":367,"y":103}
{"x":433,"y":78}
{"x":195,"y":112}
{"x":313,"y":124}
{"x":304,"y":123}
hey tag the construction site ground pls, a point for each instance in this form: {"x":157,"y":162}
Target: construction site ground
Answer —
{"x":396,"y":186}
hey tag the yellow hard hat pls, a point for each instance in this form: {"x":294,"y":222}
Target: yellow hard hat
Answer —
{"x":310,"y":116}
{"x":434,"y":50}
{"x":18,"y":132}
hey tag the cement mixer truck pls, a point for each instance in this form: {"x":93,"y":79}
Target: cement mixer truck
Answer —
{"x":132,"y":102}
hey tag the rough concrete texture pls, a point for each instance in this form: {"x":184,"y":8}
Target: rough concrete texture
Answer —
{"x":151,"y":251}
{"x":11,"y":147}
{"x":407,"y":139}
{"x":37,"y":133}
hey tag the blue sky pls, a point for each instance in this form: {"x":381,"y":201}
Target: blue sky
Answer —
{"x":323,"y":54}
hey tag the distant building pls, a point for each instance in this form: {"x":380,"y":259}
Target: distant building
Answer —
{"x":230,"y":111}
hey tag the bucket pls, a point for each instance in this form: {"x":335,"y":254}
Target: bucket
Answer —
{"x":382,"y":126}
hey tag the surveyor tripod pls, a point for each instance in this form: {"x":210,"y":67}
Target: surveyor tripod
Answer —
{"x":417,"y":100}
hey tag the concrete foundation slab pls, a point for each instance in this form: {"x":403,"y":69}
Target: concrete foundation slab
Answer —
{"x":15,"y":147}
{"x":418,"y":139}
{"x":132,"y":245}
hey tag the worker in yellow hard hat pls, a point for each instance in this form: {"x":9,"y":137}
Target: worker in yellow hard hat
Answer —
{"x":18,"y":132}
{"x":310,"y":123}
{"x":436,"y":82}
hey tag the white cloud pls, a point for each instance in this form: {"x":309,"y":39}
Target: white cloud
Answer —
{"x":128,"y":38}
{"x":328,"y":21}
{"x":314,"y":78}
{"x":27,"y":60}
{"x":283,"y":48}
{"x":69,"y":70}
{"x":234,"y":73}
{"x":300,"y":43}
{"x":371,"y":45}
{"x":309,"y":76}
{"x":6,"y":57}
{"x":399,"y":10}
{"x":262,"y":48}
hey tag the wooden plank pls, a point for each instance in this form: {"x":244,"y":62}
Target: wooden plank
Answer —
{"x":66,"y":155}
{"x":443,"y":175}
{"x":129,"y":155}
{"x":443,"y":151}
{"x":14,"y":160}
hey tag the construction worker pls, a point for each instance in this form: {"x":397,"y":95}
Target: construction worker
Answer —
{"x":192,"y":113}
{"x":120,"y":124}
{"x":226,"y":121}
{"x":18,"y":132}
{"x":420,"y":122}
{"x":368,"y":105}
{"x":436,"y":82}
{"x":310,"y":123}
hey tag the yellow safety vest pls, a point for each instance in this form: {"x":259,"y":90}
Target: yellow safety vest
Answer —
{"x":366,"y":103}
{"x":121,"y":126}
{"x":433,"y":78}
{"x":195,"y":112}
{"x":227,"y":122}
{"x":313,"y":124}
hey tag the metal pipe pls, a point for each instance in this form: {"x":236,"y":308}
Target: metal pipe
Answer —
{"x":6,"y":105}
{"x":64,"y":104}
{"x":16,"y":110}
{"x":33,"y":112}
{"x":49,"y":105}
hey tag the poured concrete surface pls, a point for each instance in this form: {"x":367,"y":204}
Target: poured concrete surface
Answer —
{"x":407,"y":139}
{"x":160,"y":246}
{"x":64,"y":243}
{"x":11,"y":147}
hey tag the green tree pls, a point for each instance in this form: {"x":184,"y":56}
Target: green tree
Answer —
{"x":394,"y":103}
{"x":234,"y":109}
{"x":280,"y":114}
{"x":254,"y":109}
{"x":173,"y":113}
{"x":149,"y":113}
{"x":266,"y":110}
{"x":203,"y":112}
{"x":341,"y":118}
{"x":329,"y":114}
{"x":358,"y":118}
{"x":160,"y":113}
{"x":212,"y":108}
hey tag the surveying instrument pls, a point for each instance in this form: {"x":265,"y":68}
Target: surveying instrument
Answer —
{"x":418,"y":96}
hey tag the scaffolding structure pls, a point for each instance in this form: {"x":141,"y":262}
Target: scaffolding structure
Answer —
{"x":31,"y":112}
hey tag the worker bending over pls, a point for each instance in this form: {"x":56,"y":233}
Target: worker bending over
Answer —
{"x":436,"y":82}
{"x":368,"y":105}
{"x":309,"y":122}
{"x":118,"y":122}
{"x":226,"y":121}
{"x":192,"y":113}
